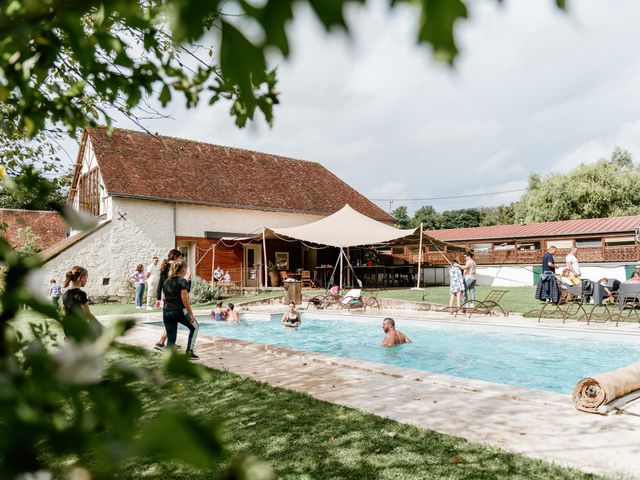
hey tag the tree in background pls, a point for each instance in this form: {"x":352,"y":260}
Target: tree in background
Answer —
{"x":606,"y":188}
{"x":403,"y":220}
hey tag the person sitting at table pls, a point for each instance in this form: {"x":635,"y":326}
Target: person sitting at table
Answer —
{"x":565,"y":279}
{"x":334,"y":290}
{"x":227,"y":276}
{"x":291,"y":318}
{"x":218,"y":273}
{"x":606,"y":292}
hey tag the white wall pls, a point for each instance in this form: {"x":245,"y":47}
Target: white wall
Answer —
{"x":114,"y":250}
{"x":194,"y":220}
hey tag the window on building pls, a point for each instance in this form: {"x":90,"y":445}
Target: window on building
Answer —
{"x":481,"y":247}
{"x":589,"y":242}
{"x":529,"y":246}
{"x":414,"y":250}
{"x":105,"y":281}
{"x":619,"y":241}
{"x":397,"y":250}
{"x":505,"y":246}
{"x":89,"y":192}
{"x":560,"y":243}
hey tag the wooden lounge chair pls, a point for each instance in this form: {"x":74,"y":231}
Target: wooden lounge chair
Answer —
{"x":489,"y":306}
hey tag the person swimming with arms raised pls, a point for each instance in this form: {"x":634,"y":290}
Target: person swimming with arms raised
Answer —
{"x":291,"y":318}
{"x":393,"y":337}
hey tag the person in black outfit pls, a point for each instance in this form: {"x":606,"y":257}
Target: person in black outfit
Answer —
{"x":177,"y":308}
{"x":548,"y":289}
{"x":174,"y":254}
{"x":75,"y":300}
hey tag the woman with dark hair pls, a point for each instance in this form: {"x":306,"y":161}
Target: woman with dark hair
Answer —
{"x":139,"y":278}
{"x":75,"y":300}
{"x":176,"y":307}
{"x":173,"y":255}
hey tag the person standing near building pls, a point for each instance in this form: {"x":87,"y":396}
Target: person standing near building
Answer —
{"x":469,"y":269}
{"x":548,"y":263}
{"x":139,"y":278}
{"x":55,"y":291}
{"x":548,"y":289}
{"x":573,"y":265}
{"x":152,"y":277}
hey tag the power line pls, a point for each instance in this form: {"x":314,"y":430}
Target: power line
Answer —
{"x":391,"y":200}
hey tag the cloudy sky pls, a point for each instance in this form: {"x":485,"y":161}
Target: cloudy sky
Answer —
{"x":535,"y":90}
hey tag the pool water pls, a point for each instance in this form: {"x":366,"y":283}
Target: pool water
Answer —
{"x":513,"y":356}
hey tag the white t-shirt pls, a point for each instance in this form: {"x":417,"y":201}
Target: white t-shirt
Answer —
{"x":154,"y":272}
{"x":573,"y":264}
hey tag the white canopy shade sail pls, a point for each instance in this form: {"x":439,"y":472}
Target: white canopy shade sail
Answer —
{"x":344,"y":228}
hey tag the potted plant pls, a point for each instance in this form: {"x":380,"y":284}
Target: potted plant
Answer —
{"x":371,"y":257}
{"x":274,"y":276}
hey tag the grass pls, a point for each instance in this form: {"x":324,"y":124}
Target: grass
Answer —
{"x":304,"y":438}
{"x":519,"y":299}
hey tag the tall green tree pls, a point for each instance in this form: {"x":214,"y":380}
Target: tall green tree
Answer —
{"x":430,"y":219}
{"x":403,"y":220}
{"x":605,"y":188}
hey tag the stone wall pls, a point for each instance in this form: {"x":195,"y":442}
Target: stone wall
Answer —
{"x":138,"y":231}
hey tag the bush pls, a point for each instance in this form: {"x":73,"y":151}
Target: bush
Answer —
{"x":202,"y":291}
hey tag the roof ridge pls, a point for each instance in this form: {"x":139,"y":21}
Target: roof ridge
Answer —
{"x":199,"y":142}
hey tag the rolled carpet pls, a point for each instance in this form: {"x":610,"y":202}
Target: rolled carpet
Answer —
{"x":592,"y":392}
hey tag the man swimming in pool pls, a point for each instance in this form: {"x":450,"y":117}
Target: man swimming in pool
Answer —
{"x":394,"y":337}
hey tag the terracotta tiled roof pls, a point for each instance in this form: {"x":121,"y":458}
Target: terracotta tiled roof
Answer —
{"x":48,"y":226}
{"x":547,"y":229}
{"x":143,"y":165}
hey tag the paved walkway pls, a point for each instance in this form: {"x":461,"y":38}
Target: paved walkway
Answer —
{"x":539,"y":424}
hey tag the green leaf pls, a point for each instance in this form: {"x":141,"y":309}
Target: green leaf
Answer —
{"x":76,"y":89}
{"x":247,"y":73}
{"x":165,"y":95}
{"x":436,"y":26}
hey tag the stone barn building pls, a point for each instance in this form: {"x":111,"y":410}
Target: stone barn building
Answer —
{"x":150,"y":193}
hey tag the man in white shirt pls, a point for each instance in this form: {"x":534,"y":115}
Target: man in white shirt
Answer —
{"x":152,"y":276}
{"x":572,"y":262}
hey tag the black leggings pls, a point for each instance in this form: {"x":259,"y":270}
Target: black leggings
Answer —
{"x":171,"y":319}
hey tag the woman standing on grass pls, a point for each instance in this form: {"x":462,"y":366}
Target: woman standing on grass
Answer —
{"x":456,"y":283}
{"x":139,"y":277}
{"x":75,"y":300}
{"x":177,"y":308}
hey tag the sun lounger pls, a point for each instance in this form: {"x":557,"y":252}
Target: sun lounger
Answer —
{"x":489,"y":306}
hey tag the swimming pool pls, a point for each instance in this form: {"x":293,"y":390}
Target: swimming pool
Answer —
{"x":532,"y":358}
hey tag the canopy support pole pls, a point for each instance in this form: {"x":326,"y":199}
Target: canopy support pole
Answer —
{"x":213,"y":260}
{"x":417,"y":287}
{"x":341,"y":267}
{"x":264,"y":255}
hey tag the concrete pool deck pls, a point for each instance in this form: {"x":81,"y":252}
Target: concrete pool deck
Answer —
{"x":538,"y":424}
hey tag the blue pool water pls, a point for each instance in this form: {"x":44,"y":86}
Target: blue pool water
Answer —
{"x":514,"y":356}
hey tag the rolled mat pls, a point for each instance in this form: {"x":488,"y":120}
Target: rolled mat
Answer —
{"x":592,"y":392}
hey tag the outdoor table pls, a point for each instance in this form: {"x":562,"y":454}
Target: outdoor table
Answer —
{"x":628,"y":292}
{"x":323,"y":273}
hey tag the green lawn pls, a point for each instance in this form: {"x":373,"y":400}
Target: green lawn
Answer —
{"x":301,"y":437}
{"x":519,"y":299}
